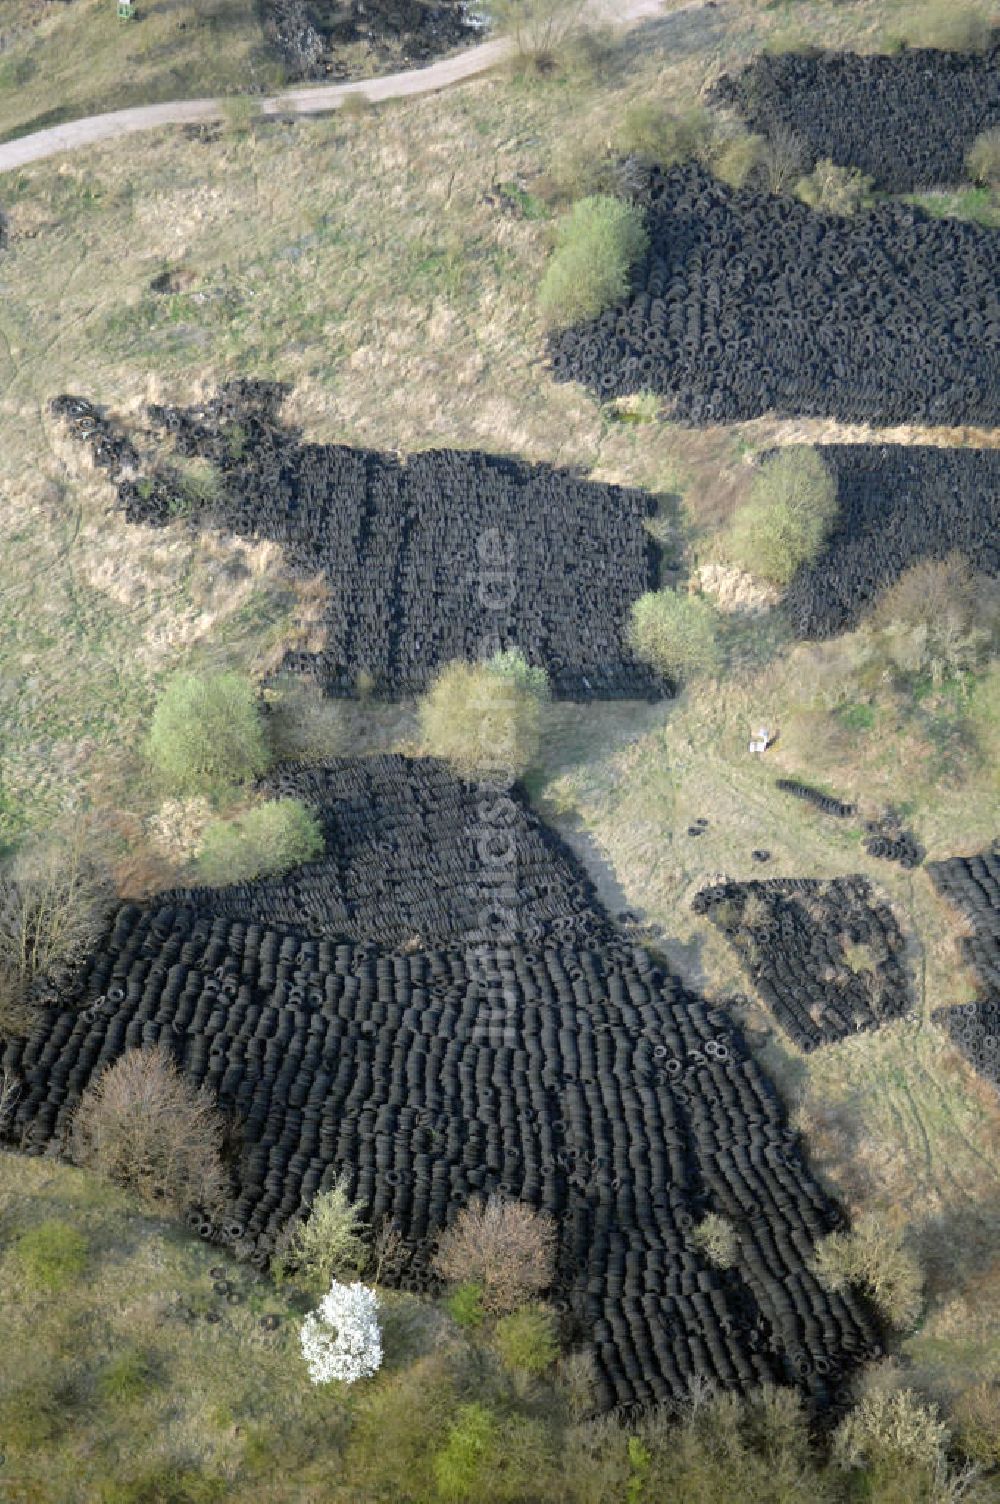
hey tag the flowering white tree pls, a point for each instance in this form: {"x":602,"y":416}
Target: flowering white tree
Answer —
{"x":342,"y":1338}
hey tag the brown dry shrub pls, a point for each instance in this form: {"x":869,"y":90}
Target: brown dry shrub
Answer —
{"x":144,"y":1126}
{"x":507,"y":1247}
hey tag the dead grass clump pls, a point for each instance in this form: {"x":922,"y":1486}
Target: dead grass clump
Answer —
{"x":145,"y":1127}
{"x":505,"y":1246}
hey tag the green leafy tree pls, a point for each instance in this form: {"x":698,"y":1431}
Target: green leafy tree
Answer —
{"x":526,"y":1340}
{"x":485,"y":718}
{"x":206,"y":734}
{"x":597,"y":244}
{"x":467,"y":1455}
{"x":329,"y":1244}
{"x":269,"y":839}
{"x":676,"y":633}
{"x":793,"y":501}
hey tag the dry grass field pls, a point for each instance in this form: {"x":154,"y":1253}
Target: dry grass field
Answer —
{"x":384,"y":264}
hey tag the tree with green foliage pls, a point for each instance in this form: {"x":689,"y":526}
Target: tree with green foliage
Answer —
{"x":327,"y":1245}
{"x":792,"y":505}
{"x":597,"y":244}
{"x":485,"y":718}
{"x":675,"y":633}
{"x":467,"y":1455}
{"x":206,"y":734}
{"x":526,"y":1340}
{"x":874,"y":1257}
{"x":269,"y":839}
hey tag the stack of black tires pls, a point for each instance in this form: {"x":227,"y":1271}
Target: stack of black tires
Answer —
{"x":572,"y":1073}
{"x":905,"y":120}
{"x":973,"y":884}
{"x":749,"y":303}
{"x":827,"y":958}
{"x":897,"y":504}
{"x":444,"y":555}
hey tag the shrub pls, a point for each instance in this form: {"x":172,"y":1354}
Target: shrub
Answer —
{"x":873,"y":1256}
{"x":539,"y":29}
{"x":206,"y":734}
{"x":976,"y":1417}
{"x":54,"y":903}
{"x":485,"y":718}
{"x":793,"y":501}
{"x":304,"y":725}
{"x":51,"y":1255}
{"x":717,"y":1240}
{"x":467,"y":1455}
{"x":937,"y":619}
{"x":144,"y":1126}
{"x":505,"y":1246}
{"x":269,"y":839}
{"x":465,"y":1305}
{"x":891,"y":1426}
{"x":736,"y":158}
{"x":329,"y":1243}
{"x":661,"y":137}
{"x":833,"y":189}
{"x":526,"y":1340}
{"x":983,"y":158}
{"x":950,"y":25}
{"x":597,"y":244}
{"x":342,"y":1339}
{"x":782,"y":158}
{"x":675,"y":633}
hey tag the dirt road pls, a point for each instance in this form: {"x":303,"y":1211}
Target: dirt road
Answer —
{"x":313,"y":99}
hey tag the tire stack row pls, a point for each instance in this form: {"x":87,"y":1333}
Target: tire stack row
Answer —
{"x":824,"y":802}
{"x":906,"y":121}
{"x":577,"y":1076}
{"x":441,"y":557}
{"x":800,"y":942}
{"x":896,"y":504}
{"x":749,"y":303}
{"x":414,"y":854}
{"x":973,"y":885}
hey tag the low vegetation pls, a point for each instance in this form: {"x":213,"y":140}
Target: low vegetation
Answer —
{"x":145,"y":1127}
{"x":506,"y":1247}
{"x":833,"y":189}
{"x":206,"y":734}
{"x":266,"y":840}
{"x":597,"y":244}
{"x":51,"y":1255}
{"x":676,"y":633}
{"x":950,"y":25}
{"x":485,"y":718}
{"x":793,"y":501}
{"x":874,"y":1257}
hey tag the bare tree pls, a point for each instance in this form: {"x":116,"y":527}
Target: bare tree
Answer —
{"x":506,"y":1246}
{"x":144,"y":1126}
{"x":782,"y":159}
{"x":538,"y":28}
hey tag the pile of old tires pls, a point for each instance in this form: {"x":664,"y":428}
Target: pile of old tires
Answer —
{"x":897,"y":504}
{"x":973,"y":885}
{"x":413,"y":854}
{"x":886,"y":838}
{"x":826,"y":803}
{"x":577,"y":1076}
{"x":905,"y":120}
{"x":750,"y":302}
{"x":801,"y":941}
{"x":446,"y":555}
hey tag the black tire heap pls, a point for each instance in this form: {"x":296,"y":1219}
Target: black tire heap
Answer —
{"x":973,"y":884}
{"x":414,"y":855}
{"x":906,"y":121}
{"x":426,"y":560}
{"x":796,"y":953}
{"x":749,"y":303}
{"x":575,"y":1075}
{"x":886,"y":838}
{"x":897,"y":504}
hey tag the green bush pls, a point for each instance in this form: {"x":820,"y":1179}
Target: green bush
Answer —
{"x":52,"y":1255}
{"x":206,"y":734}
{"x":736,"y":158}
{"x":485,"y":718}
{"x":465,"y":1305}
{"x":949,"y":25}
{"x":676,"y":634}
{"x":982,"y":160}
{"x":269,"y":839}
{"x":597,"y":244}
{"x":125,"y":1378}
{"x":526,"y":1340}
{"x":657,"y":135}
{"x":833,"y":189}
{"x":893,"y":1427}
{"x":872,"y":1256}
{"x":467,"y":1456}
{"x":793,"y":501}
{"x":330,"y":1242}
{"x":717,"y":1240}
